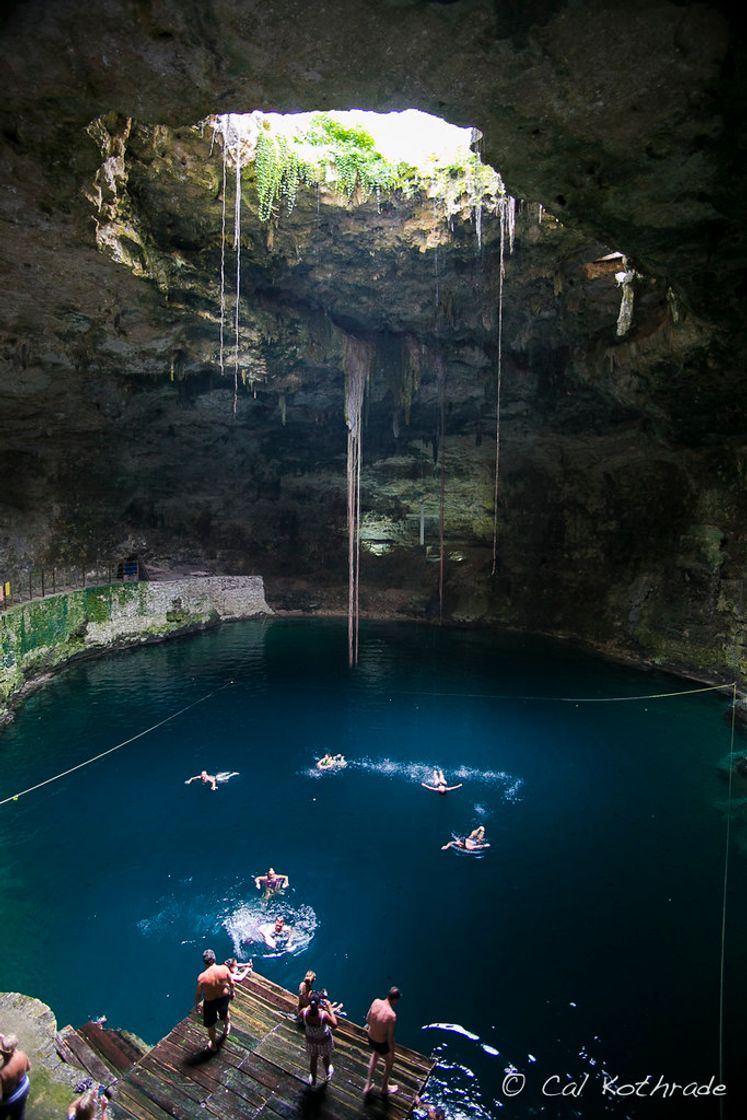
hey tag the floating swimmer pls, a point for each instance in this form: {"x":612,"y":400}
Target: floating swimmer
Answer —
{"x":475,"y":842}
{"x":272,"y":882}
{"x":213,"y":779}
{"x":439,"y":783}
{"x":332,"y":762}
{"x":205,"y":778}
{"x":276,"y":935}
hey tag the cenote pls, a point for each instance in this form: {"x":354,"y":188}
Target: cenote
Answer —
{"x":580,"y":943}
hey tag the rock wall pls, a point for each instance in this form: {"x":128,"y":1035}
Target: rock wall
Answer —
{"x":40,"y":636}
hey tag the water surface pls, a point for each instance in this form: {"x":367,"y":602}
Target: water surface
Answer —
{"x":585,"y":941}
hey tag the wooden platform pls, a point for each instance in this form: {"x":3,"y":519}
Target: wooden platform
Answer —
{"x":261,"y":1070}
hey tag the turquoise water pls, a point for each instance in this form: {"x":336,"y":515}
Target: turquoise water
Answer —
{"x":586,"y":940}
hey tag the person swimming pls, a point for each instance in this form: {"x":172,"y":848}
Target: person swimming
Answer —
{"x":205,"y":778}
{"x":276,"y":935}
{"x":331,"y":762}
{"x":272,"y":882}
{"x":439,"y":783}
{"x":475,"y":842}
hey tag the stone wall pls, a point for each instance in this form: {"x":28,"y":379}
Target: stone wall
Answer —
{"x":39,"y":636}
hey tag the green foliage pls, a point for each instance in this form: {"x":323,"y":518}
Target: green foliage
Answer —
{"x":346,"y":156}
{"x":351,"y":154}
{"x":279,"y":171}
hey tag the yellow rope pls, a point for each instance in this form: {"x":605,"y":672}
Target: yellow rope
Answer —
{"x":140,"y":734}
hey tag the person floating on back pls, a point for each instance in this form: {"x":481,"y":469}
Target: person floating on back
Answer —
{"x":205,"y":778}
{"x":380,"y":1022}
{"x":439,"y":783}
{"x":14,"y":1078}
{"x":475,"y":842}
{"x":214,"y":992}
{"x":332,"y":762}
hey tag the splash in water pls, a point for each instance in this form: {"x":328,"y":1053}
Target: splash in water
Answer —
{"x":247,"y":923}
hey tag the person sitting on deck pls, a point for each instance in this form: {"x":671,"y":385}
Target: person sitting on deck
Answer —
{"x":272,"y":882}
{"x":305,"y":992}
{"x":214,"y":992}
{"x":205,"y":778}
{"x":276,"y":935}
{"x":238,"y":969}
{"x":92,"y":1105}
{"x":439,"y":783}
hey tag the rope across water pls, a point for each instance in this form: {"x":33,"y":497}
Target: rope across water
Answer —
{"x":111,"y":750}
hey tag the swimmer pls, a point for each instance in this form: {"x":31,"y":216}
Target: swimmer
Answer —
{"x":277,"y":935}
{"x":332,"y":762}
{"x":439,"y":783}
{"x":432,"y":1111}
{"x":471,"y":843}
{"x":271,"y":881}
{"x":205,"y":778}
{"x":239,"y":969}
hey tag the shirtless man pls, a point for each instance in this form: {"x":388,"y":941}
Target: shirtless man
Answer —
{"x":205,"y":778}
{"x":440,"y":785}
{"x":278,"y":935}
{"x":380,"y":1025}
{"x":14,"y":1081}
{"x":214,"y":992}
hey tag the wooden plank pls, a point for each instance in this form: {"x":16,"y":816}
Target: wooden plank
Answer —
{"x":137,"y":1104}
{"x":88,"y":1060}
{"x":260,"y":1072}
{"x":109,"y":1046}
{"x":168,"y":1097}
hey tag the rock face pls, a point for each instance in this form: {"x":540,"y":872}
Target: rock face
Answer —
{"x":622,"y":457}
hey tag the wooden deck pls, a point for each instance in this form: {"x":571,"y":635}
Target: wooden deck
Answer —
{"x":261,"y":1070}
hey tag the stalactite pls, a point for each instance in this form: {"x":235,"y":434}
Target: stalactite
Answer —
{"x":358,"y":358}
{"x":221,"y":357}
{"x":501,"y":262}
{"x":440,"y":367}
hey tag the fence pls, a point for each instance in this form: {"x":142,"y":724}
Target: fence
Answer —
{"x":36,"y":583}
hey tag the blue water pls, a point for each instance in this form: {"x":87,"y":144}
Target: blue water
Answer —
{"x":585,"y":940}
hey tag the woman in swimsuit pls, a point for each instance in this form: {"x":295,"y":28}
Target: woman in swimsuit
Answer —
{"x":319,"y":1021}
{"x":205,"y":778}
{"x":272,"y":882}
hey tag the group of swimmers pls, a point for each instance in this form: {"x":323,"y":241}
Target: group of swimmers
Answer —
{"x":272,"y":882}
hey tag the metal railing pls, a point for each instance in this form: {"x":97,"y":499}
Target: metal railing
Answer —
{"x":36,"y":583}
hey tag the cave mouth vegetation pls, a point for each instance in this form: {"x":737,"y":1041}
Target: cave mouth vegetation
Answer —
{"x":468,"y":403}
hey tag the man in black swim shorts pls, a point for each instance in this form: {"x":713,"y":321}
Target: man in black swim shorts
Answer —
{"x":380,"y":1026}
{"x":215,"y":992}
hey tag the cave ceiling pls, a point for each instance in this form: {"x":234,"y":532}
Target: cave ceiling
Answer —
{"x":618,"y":128}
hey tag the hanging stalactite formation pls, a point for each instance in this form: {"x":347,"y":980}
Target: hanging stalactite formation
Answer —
{"x":358,"y":358}
{"x":507,"y":232}
{"x":439,"y":364}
